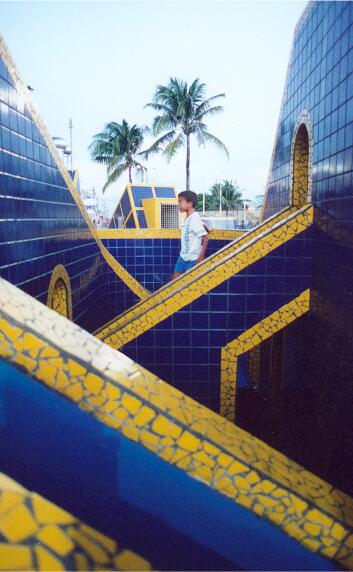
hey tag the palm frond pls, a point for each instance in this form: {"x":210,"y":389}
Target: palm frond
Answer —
{"x":115,"y":175}
{"x":158,"y":145}
{"x":206,"y":104}
{"x":174,"y":146}
{"x":217,"y":142}
{"x":209,"y":112}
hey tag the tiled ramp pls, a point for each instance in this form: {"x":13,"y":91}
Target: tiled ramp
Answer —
{"x":206,"y":276}
{"x":137,"y":460}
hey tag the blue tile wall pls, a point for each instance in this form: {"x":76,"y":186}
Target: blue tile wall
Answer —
{"x":140,"y":193}
{"x":130,"y":223}
{"x":151,"y":261}
{"x":320,"y":80}
{"x":164,"y":192}
{"x":125,"y":204}
{"x":41,"y":225}
{"x":185,"y":348}
{"x":142,"y":219}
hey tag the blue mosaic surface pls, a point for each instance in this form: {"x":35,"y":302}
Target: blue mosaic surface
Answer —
{"x":164,"y":192}
{"x":151,"y":261}
{"x":185,"y":348}
{"x":140,"y":193}
{"x":41,"y":225}
{"x":320,"y":80}
{"x":125,"y":204}
{"x":142,"y":219}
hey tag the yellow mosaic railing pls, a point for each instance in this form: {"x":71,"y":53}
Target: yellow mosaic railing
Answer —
{"x":188,"y":279}
{"x":126,"y":397}
{"x":155,"y":233}
{"x":36,"y":534}
{"x":251,"y":339}
{"x":222,"y":266}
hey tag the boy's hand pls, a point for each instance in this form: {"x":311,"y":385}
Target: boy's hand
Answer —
{"x":200,"y":259}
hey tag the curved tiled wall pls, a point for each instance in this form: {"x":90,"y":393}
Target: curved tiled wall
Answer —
{"x":309,"y":520}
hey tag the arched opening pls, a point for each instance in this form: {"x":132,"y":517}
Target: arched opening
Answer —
{"x":60,"y":298}
{"x":301,"y":168}
{"x":59,"y":292}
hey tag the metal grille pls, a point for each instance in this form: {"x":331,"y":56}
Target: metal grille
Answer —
{"x":169,"y":216}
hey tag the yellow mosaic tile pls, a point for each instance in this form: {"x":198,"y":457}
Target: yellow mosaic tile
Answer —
{"x":154,"y":233}
{"x":35,"y":534}
{"x":251,"y":339}
{"x":205,"y":276}
{"x":59,"y":292}
{"x":177,"y":429}
{"x":91,"y":231}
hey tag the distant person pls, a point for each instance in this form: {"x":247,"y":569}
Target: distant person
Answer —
{"x":194,"y":235}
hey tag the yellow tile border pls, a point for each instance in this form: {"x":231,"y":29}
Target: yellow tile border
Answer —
{"x":124,"y":396}
{"x":190,"y":276}
{"x":133,"y":208}
{"x":129,"y":280}
{"x":303,"y":119}
{"x":36,"y":534}
{"x":157,"y":308}
{"x":155,"y":233}
{"x":250,"y":339}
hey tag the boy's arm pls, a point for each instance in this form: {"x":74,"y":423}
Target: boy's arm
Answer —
{"x":204,"y":243}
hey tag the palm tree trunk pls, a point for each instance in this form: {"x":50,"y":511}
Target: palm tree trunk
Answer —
{"x":130,"y":179}
{"x":187,"y":162}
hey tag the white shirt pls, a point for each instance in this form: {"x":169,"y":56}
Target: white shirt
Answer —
{"x":191,"y":237}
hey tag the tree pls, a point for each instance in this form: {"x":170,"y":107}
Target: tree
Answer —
{"x":231,"y":196}
{"x":182,"y":111}
{"x":230,"y":193}
{"x":118,"y":147}
{"x":209,"y":202}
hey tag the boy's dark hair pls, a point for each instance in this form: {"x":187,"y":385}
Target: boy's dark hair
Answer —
{"x":189,"y":196}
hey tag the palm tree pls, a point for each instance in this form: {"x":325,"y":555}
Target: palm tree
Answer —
{"x":230,"y":193}
{"x":118,"y":148}
{"x":209,"y":202}
{"x":231,"y":196}
{"x":182,"y":111}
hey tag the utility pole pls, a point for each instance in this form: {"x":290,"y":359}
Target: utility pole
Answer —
{"x":70,"y":127}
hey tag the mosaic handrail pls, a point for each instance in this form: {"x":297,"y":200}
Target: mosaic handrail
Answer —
{"x":221,"y":267}
{"x":187,"y":435}
{"x":36,"y":534}
{"x":187,"y":278}
{"x":153,"y":233}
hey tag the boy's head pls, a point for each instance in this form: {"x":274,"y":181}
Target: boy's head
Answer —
{"x":187,"y":200}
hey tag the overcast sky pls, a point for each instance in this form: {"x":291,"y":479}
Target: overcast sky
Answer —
{"x":101,"y":61}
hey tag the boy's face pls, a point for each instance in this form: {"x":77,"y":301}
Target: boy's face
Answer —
{"x":184,"y":205}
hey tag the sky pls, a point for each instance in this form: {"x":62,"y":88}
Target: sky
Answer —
{"x":97,"y":62}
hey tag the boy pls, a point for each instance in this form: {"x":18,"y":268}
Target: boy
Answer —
{"x":194,"y":237}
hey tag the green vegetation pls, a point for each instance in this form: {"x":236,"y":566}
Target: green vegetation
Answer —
{"x":182,"y":111}
{"x":230,"y":193}
{"x":118,"y":147}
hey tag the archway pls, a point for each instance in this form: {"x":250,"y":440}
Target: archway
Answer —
{"x":301,"y":163}
{"x":59,"y":292}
